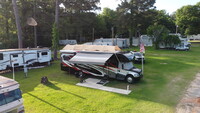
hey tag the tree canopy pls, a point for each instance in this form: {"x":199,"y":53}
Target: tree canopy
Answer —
{"x":79,"y":20}
{"x":188,"y":19}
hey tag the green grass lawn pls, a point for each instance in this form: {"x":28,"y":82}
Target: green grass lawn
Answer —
{"x":167,"y":74}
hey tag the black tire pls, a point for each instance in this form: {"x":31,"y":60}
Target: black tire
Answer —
{"x":106,"y":77}
{"x":130,"y":79}
{"x":134,"y":61}
{"x":79,"y":74}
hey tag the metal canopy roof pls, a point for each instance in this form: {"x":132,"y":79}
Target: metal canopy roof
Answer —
{"x":90,"y":58}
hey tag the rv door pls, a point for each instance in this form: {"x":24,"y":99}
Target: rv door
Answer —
{"x":16,"y":59}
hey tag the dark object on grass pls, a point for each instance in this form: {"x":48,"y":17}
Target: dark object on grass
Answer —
{"x":44,"y":80}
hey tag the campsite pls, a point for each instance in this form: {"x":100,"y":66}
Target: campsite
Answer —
{"x":167,"y":75}
{"x":99,"y":56}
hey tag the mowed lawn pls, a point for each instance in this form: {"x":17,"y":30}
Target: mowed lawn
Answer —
{"x":167,"y":74}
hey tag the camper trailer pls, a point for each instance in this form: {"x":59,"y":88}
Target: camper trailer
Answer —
{"x":10,"y":96}
{"x":65,"y":42}
{"x":145,"y":39}
{"x":19,"y":57}
{"x":183,"y":45}
{"x":120,"y":42}
{"x":98,"y":63}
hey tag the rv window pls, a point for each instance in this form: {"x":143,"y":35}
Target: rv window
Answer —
{"x":44,"y":53}
{"x":11,"y":96}
{"x":15,"y":55}
{"x":2,"y":100}
{"x":1,"y":56}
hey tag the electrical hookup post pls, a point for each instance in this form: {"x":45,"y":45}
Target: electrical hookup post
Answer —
{"x":142,"y":51}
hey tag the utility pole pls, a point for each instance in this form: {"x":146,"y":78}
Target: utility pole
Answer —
{"x":93,"y":35}
{"x":112,"y":29}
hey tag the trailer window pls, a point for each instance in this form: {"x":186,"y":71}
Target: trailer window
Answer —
{"x":44,"y":53}
{"x":15,"y":55}
{"x":2,"y":100}
{"x":11,"y":96}
{"x":1,"y":56}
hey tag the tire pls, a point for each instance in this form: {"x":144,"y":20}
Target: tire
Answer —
{"x":130,"y":79}
{"x":134,"y":61}
{"x":79,"y":74}
{"x":106,"y":77}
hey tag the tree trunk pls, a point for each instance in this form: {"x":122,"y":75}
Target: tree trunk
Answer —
{"x":56,"y":22}
{"x":19,"y":30}
{"x":35,"y":29}
{"x":57,"y":13}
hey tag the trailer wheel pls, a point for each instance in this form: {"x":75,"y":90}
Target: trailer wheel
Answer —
{"x":130,"y":79}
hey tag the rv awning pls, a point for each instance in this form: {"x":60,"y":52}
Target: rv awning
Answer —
{"x":90,"y":58}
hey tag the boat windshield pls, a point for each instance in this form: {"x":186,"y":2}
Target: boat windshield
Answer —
{"x":11,"y":96}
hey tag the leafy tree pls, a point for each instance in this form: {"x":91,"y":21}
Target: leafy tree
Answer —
{"x":109,"y":17}
{"x":8,"y":32}
{"x":131,"y":14}
{"x":79,"y":19}
{"x":188,"y":19}
{"x":162,"y":18}
{"x":171,"y":40}
{"x":100,"y":26}
{"x":157,"y":32}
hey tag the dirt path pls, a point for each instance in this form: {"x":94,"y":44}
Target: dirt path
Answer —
{"x":191,"y":100}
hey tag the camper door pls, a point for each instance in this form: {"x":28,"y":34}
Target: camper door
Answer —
{"x":16,"y":59}
{"x":4,"y":61}
{"x":44,"y":56}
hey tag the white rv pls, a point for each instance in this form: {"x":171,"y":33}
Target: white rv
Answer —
{"x":10,"y":96}
{"x":19,"y":57}
{"x":145,"y":39}
{"x":97,"y":63}
{"x":65,"y":42}
{"x":120,"y":42}
{"x":184,"y":45}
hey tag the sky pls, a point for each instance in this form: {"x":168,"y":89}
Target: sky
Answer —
{"x":169,"y":5}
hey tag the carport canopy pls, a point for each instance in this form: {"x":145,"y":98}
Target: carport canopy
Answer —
{"x":90,"y":58}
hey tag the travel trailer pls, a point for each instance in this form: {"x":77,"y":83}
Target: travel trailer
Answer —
{"x":20,"y":57}
{"x":145,"y":39}
{"x":120,"y":42}
{"x":109,"y":64}
{"x":183,"y":45}
{"x":10,"y":96}
{"x":65,"y":42}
